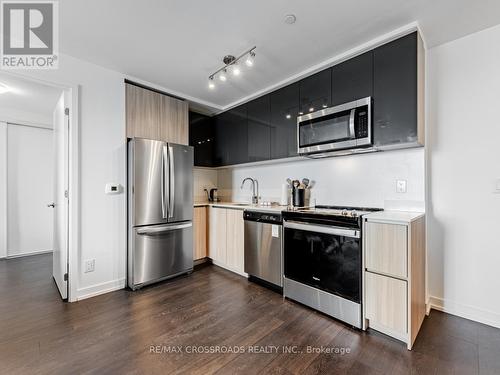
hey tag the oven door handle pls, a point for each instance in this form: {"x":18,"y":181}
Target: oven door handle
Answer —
{"x":354,"y":233}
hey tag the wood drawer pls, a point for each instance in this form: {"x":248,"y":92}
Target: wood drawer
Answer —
{"x":386,"y":303}
{"x":387,"y":249}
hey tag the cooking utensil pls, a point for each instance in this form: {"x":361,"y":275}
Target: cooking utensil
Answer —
{"x":305,"y":182}
{"x":289,"y":182}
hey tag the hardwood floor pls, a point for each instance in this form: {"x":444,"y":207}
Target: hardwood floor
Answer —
{"x":117,"y":333}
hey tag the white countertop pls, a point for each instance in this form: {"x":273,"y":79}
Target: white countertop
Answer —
{"x":389,"y":216}
{"x":241,"y":206}
{"x":392,"y":216}
{"x":201,"y":204}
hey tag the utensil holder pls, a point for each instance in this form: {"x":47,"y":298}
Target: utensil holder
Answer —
{"x":298,"y":197}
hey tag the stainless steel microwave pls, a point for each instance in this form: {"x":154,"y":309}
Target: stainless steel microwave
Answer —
{"x":343,"y":127}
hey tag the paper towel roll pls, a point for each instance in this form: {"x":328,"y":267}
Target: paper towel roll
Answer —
{"x":285,"y":192}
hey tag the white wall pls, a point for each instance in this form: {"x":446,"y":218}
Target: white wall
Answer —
{"x":102,"y":159}
{"x":463,"y":165}
{"x":356,"y":180}
{"x":30,"y":166}
{"x":3,"y":189}
{"x":18,"y":116}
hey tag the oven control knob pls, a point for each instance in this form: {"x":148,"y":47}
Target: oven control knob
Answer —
{"x":354,"y":213}
{"x":344,"y":212}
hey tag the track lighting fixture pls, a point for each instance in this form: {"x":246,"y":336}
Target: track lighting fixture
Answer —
{"x":231,"y":65}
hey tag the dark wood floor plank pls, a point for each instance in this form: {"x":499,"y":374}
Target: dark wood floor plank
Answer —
{"x":113,"y":333}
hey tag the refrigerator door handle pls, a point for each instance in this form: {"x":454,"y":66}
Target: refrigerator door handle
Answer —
{"x":171,"y":204}
{"x":166,"y":228}
{"x":162,"y":188}
{"x":164,"y":166}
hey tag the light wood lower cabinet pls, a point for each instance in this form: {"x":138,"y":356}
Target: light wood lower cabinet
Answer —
{"x":386,"y":303}
{"x":394,"y":277}
{"x":226,"y":238}
{"x":200,"y":233}
{"x":217,"y":225}
{"x":235,"y":240}
{"x":383,"y":248}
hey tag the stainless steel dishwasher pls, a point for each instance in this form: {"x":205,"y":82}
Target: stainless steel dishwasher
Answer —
{"x":264,"y":246}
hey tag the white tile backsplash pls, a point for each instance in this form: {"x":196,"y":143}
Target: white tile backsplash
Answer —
{"x":354,"y":180}
{"x":204,"y":178}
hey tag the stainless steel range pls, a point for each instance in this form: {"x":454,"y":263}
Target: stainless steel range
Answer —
{"x":322,"y":259}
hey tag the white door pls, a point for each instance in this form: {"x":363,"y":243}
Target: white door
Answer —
{"x":60,"y":205}
{"x":30,"y":166}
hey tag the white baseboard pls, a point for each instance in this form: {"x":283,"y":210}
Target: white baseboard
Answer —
{"x":28,"y":254}
{"x":222,"y":265}
{"x":490,"y":318}
{"x":102,"y":288}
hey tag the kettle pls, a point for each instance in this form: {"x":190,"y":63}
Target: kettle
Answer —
{"x":212,"y":195}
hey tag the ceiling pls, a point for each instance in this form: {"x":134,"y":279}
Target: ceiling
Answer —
{"x":178,"y":44}
{"x":28,"y":96}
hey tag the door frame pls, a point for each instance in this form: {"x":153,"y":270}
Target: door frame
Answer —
{"x":74,"y":174}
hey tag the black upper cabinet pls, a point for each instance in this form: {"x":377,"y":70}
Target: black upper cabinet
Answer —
{"x":231,"y":146}
{"x":353,"y":79}
{"x":395,"y":92}
{"x":239,"y":151}
{"x":201,"y":137}
{"x":221,"y":124}
{"x":266,"y":128}
{"x":259,"y":129}
{"x":316,"y":92}
{"x":284,"y":111}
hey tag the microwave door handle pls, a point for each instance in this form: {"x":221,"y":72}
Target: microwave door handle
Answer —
{"x":351,"y":124}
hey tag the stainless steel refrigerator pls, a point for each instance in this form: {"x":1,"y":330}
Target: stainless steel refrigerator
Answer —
{"x":160,"y":206}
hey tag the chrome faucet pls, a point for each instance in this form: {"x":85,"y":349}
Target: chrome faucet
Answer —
{"x":255,"y":189}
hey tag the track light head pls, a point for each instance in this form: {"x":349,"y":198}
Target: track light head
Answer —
{"x":231,"y":64}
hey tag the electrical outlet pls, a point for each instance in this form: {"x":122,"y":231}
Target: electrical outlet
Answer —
{"x":401,"y":186}
{"x":89,"y":265}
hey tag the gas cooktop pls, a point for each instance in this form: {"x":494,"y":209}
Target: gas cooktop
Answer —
{"x":352,"y":212}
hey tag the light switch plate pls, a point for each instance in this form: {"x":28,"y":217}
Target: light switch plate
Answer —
{"x":89,"y":265}
{"x":401,"y":186}
{"x":113,"y":188}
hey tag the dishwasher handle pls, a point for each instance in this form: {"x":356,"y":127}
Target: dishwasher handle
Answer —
{"x":265,"y":218}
